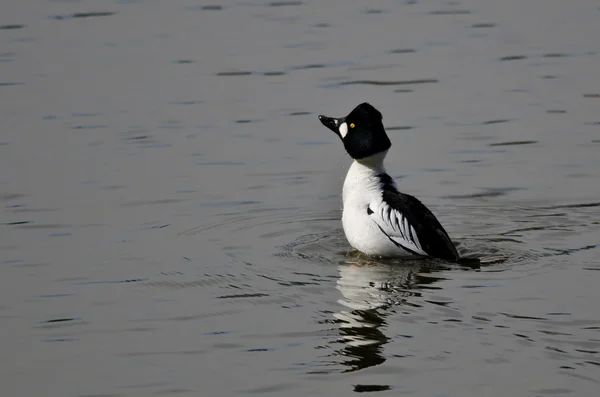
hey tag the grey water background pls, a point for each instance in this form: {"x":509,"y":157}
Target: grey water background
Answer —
{"x":171,"y":204}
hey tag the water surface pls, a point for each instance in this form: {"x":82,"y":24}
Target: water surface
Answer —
{"x":171,"y":204}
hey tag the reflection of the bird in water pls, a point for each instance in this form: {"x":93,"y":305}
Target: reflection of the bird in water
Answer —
{"x":369,"y":291}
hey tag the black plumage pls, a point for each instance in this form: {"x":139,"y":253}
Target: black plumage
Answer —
{"x":432,"y":236}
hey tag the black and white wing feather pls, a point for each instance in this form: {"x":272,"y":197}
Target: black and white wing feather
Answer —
{"x":411,"y":226}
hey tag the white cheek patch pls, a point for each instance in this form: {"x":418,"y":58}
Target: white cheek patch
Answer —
{"x":343,"y":130}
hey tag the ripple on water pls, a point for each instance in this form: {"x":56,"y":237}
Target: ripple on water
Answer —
{"x":403,"y":51}
{"x":10,"y":83}
{"x":513,"y":57}
{"x":211,"y":8}
{"x":450,"y":12}
{"x":235,"y":73}
{"x":369,"y":292}
{"x":486,"y":193}
{"x":375,"y":293}
{"x":11,"y":27}
{"x":374,"y":11}
{"x":388,"y":82}
{"x":513,"y":143}
{"x":284,"y":3}
{"x":400,"y":128}
{"x":484,"y":25}
{"x":84,"y":15}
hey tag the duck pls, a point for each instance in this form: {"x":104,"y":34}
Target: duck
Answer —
{"x":379,"y":220}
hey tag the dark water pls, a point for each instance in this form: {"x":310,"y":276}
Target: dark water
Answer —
{"x":171,"y":204}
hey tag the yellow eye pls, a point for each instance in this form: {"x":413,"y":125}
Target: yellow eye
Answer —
{"x":351,"y":125}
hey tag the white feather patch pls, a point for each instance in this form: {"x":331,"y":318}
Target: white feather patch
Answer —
{"x":415,"y":238}
{"x":343,"y":130}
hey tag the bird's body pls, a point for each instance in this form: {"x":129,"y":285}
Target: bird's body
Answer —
{"x":378,"y":220}
{"x":362,"y":190}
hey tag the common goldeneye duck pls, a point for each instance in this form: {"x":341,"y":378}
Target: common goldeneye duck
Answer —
{"x":378,"y":220}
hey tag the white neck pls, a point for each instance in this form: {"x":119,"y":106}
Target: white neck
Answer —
{"x":361,"y":181}
{"x":374,"y":162}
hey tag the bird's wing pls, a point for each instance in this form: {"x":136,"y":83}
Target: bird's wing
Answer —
{"x":410,"y":225}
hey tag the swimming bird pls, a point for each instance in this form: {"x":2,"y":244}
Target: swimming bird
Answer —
{"x":378,"y":219}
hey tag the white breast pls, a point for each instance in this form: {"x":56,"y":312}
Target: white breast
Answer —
{"x":361,"y":187}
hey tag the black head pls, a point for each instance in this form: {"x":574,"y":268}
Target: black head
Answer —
{"x":361,"y":131}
